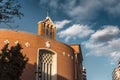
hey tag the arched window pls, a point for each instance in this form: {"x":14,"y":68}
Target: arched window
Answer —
{"x":51,"y":32}
{"x":47,"y":30}
{"x":46,"y":65}
{"x":43,"y":33}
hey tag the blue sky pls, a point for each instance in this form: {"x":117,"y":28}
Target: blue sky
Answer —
{"x":95,"y":24}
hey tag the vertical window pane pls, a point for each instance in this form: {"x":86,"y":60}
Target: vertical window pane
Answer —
{"x":45,"y":65}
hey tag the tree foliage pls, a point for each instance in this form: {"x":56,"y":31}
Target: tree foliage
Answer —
{"x":9,"y":9}
{"x":12,"y":62}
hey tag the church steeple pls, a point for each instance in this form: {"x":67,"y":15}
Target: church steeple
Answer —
{"x":46,"y":28}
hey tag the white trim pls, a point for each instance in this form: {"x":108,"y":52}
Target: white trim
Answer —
{"x":54,"y":67}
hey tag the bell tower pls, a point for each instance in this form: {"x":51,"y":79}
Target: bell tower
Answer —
{"x":47,"y":29}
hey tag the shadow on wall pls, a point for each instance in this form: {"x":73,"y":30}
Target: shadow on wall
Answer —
{"x":61,"y":78}
{"x":30,"y":73}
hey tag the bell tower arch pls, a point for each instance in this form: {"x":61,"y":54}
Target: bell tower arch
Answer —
{"x":46,"y":28}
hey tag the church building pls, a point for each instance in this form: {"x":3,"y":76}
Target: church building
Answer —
{"x":49,"y":59}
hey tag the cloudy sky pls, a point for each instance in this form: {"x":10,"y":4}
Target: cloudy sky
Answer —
{"x":95,"y":24}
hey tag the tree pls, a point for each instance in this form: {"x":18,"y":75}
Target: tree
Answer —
{"x":12,"y":62}
{"x":8,"y":10}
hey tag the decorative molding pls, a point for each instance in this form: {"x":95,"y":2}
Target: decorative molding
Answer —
{"x":27,"y":44}
{"x":68,"y":55}
{"x":6,"y":42}
{"x":54,"y":65}
{"x":47,"y":44}
{"x":64,"y":53}
{"x":76,"y":56}
{"x":16,"y":42}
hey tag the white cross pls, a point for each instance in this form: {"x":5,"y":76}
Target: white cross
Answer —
{"x":48,"y":44}
{"x":27,"y":44}
{"x":16,"y":42}
{"x":68,"y":55}
{"x":64,"y":53}
{"x":6,"y":42}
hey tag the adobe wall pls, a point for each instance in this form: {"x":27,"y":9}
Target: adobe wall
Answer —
{"x":65,"y":60}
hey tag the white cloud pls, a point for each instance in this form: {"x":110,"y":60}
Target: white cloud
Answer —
{"x":80,"y":10}
{"x":104,"y":42}
{"x":54,"y":3}
{"x":75,"y":31}
{"x":89,"y":9}
{"x":112,"y":7}
{"x":61,"y":24}
{"x":107,"y":33}
{"x":84,"y":9}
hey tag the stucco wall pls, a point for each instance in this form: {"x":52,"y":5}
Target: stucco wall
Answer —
{"x":65,"y":54}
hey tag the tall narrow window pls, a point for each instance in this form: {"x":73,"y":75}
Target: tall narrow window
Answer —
{"x":43,"y":34}
{"x":45,"y":65}
{"x":51,"y":31}
{"x":52,"y":34}
{"x":47,"y":30}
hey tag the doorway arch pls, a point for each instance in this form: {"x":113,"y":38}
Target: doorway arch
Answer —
{"x":46,"y":64}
